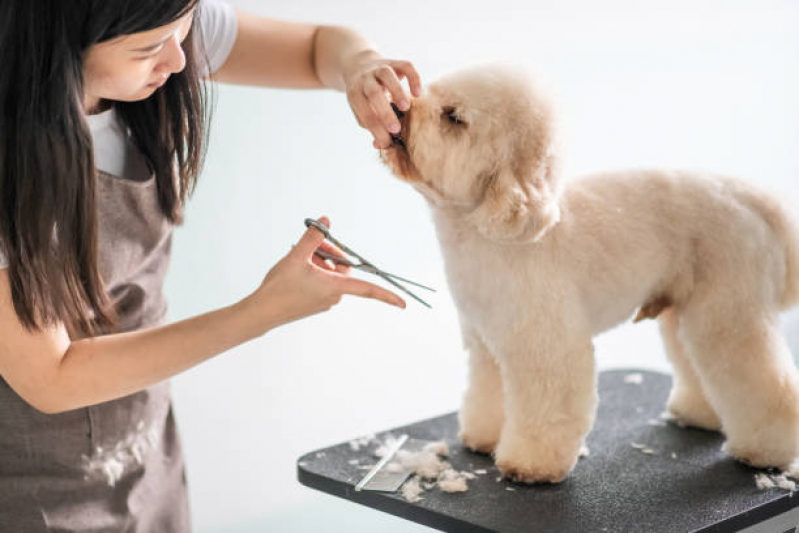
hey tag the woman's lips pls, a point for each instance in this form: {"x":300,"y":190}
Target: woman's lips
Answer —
{"x":158,"y":83}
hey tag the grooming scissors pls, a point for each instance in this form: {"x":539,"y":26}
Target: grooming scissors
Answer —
{"x":364,"y":265}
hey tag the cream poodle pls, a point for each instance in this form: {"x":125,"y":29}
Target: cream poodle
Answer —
{"x":537,"y":268}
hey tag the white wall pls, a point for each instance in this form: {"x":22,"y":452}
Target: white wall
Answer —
{"x":709,"y":84}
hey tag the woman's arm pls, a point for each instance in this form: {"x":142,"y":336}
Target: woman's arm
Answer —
{"x":277,"y":53}
{"x":55,"y":374}
{"x":271,"y":53}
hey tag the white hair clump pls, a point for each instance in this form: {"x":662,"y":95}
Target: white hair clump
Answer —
{"x":428,"y":469}
{"x":765,"y":481}
{"x":112,"y":464}
{"x":634,"y":379}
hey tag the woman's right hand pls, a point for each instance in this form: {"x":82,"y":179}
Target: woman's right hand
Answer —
{"x":302,"y":284}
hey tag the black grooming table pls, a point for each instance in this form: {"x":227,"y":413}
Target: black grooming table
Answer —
{"x":687,"y":485}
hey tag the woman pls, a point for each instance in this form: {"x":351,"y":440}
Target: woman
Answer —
{"x":102,"y":133}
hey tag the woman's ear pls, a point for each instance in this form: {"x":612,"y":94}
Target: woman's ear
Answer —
{"x":521,"y":200}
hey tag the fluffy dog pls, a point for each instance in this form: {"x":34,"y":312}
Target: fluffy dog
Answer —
{"x":538,"y":268}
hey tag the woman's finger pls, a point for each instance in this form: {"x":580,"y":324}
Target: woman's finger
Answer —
{"x":390,"y":81}
{"x":388,"y":123}
{"x":365,"y":289}
{"x":359,"y":105}
{"x":323,"y":263}
{"x":368,"y":120}
{"x":407,"y":70}
{"x":334,"y":250}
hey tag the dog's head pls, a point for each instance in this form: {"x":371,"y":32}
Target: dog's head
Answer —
{"x":479,"y":143}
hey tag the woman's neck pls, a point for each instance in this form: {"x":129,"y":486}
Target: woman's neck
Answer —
{"x":94,"y":105}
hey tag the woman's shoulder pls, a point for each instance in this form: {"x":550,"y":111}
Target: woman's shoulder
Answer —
{"x":218,"y":29}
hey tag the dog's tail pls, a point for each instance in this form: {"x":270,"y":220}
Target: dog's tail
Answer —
{"x":786,"y":226}
{"x":791,"y":236}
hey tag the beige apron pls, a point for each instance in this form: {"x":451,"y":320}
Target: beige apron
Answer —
{"x":116,"y":466}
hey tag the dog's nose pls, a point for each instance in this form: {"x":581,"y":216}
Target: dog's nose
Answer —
{"x":397,"y":111}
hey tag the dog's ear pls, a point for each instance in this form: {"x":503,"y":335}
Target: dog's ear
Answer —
{"x":520,"y":199}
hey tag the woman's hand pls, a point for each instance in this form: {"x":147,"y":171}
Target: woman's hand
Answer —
{"x":303,"y":284}
{"x":372,"y":83}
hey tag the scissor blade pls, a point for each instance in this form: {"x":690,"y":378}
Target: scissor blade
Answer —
{"x":369,"y":269}
{"x":347,"y":250}
{"x":403,"y":289}
{"x":377,"y":272}
{"x":409,"y":281}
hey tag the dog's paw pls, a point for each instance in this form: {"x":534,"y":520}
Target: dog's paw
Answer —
{"x":528,"y":460}
{"x":532,"y":475}
{"x":478,"y":445}
{"x":766,"y":447}
{"x":684,"y":411}
{"x":765,"y":442}
{"x":764,"y":457}
{"x":478,"y":432}
{"x":749,"y":457}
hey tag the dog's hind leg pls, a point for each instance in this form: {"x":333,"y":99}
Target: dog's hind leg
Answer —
{"x":748,"y":376}
{"x":481,"y":412}
{"x":687,"y":402}
{"x":550,"y":403}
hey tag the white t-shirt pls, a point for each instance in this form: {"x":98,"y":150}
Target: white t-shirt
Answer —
{"x":113,"y":152}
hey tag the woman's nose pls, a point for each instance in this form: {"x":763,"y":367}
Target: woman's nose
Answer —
{"x":174,"y":58}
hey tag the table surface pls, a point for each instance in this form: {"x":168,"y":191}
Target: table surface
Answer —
{"x":687,"y":485}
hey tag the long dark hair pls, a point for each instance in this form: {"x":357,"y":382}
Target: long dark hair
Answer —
{"x":48,"y":203}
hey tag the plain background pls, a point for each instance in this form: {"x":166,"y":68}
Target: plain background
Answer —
{"x":708,"y":85}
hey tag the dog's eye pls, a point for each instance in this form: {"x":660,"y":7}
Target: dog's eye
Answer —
{"x":451,"y":115}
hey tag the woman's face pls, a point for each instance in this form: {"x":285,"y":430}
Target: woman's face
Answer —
{"x":131,"y":67}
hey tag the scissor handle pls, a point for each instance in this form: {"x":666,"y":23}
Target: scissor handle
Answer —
{"x":336,"y":259}
{"x":309,"y":222}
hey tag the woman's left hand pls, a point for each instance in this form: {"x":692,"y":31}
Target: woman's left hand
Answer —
{"x":373,"y":83}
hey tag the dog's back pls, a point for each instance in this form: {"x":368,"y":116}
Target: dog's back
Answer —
{"x":672,"y":232}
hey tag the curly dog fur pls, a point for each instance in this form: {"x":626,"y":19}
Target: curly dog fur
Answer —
{"x":538,"y":267}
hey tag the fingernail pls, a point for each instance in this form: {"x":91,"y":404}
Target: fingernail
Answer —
{"x":404,"y":105}
{"x":394,"y":128}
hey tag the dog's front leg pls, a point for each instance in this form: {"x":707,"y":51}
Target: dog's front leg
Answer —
{"x":481,"y":413}
{"x":550,"y":402}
